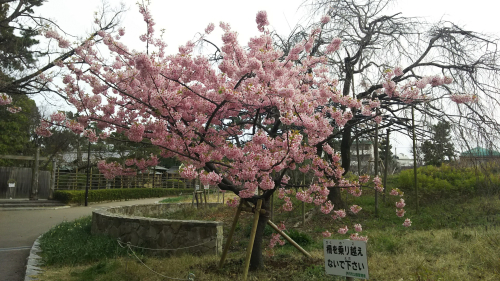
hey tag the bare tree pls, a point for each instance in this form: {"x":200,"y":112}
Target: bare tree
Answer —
{"x":374,"y":41}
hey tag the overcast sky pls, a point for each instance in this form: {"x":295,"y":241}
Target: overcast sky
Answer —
{"x":182,"y":20}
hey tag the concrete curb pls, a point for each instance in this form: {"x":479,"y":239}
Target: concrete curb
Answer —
{"x":34,"y":261}
{"x":34,"y":208}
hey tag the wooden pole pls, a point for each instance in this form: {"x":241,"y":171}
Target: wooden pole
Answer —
{"x":231,"y":232}
{"x":414,"y":154}
{"x":53,"y":181}
{"x":252,"y":238}
{"x":287,"y":238}
{"x":272,"y":206}
{"x":375,"y":150}
{"x":154,"y":177}
{"x":88,"y":176}
{"x":386,"y":160}
{"x":357,"y":154}
{"x":34,"y":177}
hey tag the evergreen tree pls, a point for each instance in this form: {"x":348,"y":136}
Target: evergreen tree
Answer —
{"x":439,"y":148}
{"x":17,"y":39}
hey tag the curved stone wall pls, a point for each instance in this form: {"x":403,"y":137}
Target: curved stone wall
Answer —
{"x":170,"y":237}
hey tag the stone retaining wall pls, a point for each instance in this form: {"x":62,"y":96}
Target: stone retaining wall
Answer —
{"x":130,"y":224}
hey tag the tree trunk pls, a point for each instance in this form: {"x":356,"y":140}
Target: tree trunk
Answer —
{"x":335,"y":197}
{"x":256,"y":260}
{"x":345,"y":147}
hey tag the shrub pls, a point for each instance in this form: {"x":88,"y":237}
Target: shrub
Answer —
{"x":175,"y":183}
{"x":100,"y":195}
{"x":447,"y":180}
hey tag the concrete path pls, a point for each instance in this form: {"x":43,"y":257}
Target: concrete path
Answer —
{"x":20,"y":228}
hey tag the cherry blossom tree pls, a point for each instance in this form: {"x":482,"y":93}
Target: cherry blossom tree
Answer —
{"x":242,"y":124}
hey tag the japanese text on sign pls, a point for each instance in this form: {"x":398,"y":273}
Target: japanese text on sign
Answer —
{"x":346,"y":258}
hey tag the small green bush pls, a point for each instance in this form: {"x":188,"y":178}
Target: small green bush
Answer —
{"x":100,"y":195}
{"x":436,"y":182}
{"x":303,"y":239}
{"x":175,"y":183}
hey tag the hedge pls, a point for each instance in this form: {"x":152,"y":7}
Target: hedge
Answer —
{"x":100,"y":195}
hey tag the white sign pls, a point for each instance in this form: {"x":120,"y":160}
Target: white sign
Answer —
{"x":346,"y":258}
{"x":206,"y":186}
{"x":197,"y":187}
{"x":12,"y":184}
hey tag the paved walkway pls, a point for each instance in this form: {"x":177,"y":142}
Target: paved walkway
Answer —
{"x":20,"y":228}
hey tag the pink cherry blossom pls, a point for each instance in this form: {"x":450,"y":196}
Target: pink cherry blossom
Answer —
{"x":358,"y":228}
{"x":401,"y":204}
{"x":325,"y":19}
{"x":339,"y":214}
{"x":326,"y":233}
{"x":5,"y":99}
{"x":14,"y":109}
{"x":209,"y":28}
{"x":355,"y":209}
{"x":261,"y":20}
{"x":343,"y":230}
{"x":400,"y":212}
{"x":357,"y":237}
{"x":233,"y":202}
{"x":407,"y":222}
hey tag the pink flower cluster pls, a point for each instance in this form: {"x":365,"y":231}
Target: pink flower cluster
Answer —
{"x":339,"y":214}
{"x":261,"y":20}
{"x":43,"y":129}
{"x":357,"y":237}
{"x":233,"y":202}
{"x":5,"y":99}
{"x":188,"y":172}
{"x":378,"y":184}
{"x":63,"y":43}
{"x":464,"y":98}
{"x":343,"y":230}
{"x":211,"y":178}
{"x":401,"y":204}
{"x":14,"y":109}
{"x":358,"y":228}
{"x":355,"y":209}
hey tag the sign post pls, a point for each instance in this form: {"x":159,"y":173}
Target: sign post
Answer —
{"x":346,"y":258}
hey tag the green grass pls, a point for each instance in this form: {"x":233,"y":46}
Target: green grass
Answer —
{"x":71,"y":243}
{"x":176,"y":199}
{"x":454,"y":238}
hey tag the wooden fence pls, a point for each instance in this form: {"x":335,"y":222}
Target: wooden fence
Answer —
{"x":23,"y":176}
{"x":78,"y":180}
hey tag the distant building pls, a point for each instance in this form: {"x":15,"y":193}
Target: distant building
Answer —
{"x":366,"y":156}
{"x":479,"y":155}
{"x":404,"y":161}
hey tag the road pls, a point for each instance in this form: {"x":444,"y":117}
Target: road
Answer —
{"x":20,"y":228}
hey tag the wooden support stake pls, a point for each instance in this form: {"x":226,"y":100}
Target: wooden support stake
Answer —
{"x":272,"y":207}
{"x":252,"y":238}
{"x":231,"y":232}
{"x":287,"y":238}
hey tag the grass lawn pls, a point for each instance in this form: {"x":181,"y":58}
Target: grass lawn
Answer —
{"x":450,"y":239}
